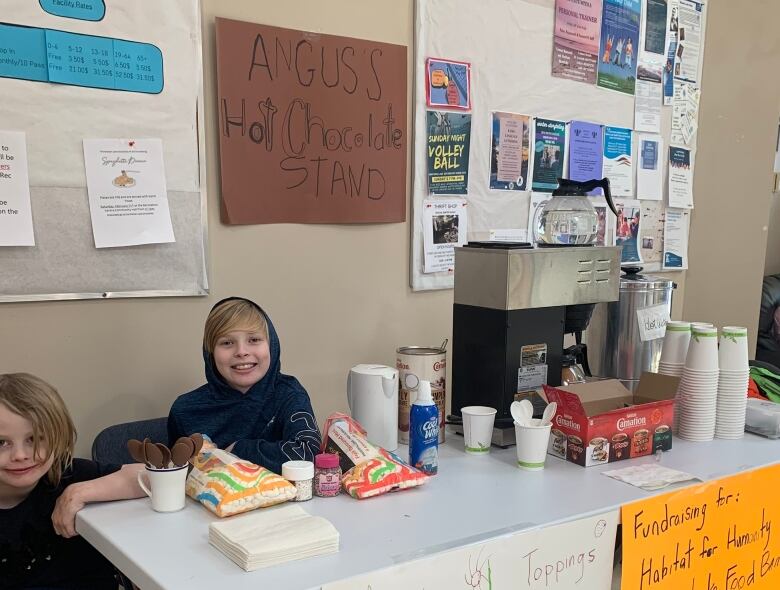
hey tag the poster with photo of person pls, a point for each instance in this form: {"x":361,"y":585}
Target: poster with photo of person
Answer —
{"x":627,"y":229}
{"x":620,"y":24}
{"x":445,"y":224}
{"x":549,"y":154}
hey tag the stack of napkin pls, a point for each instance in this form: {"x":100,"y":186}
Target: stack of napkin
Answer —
{"x":272,"y":536}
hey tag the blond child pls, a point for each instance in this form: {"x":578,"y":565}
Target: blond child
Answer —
{"x":42,"y":487}
{"x":248,"y":405}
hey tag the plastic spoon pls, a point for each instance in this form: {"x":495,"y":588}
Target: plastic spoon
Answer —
{"x":522,"y":412}
{"x":549,"y":412}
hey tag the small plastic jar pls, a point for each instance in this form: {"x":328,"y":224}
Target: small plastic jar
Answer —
{"x":300,"y":474}
{"x":327,"y":475}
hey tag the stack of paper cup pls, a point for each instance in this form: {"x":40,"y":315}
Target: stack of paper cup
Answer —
{"x":697,"y":396}
{"x":732,"y":383}
{"x":675,"y":348}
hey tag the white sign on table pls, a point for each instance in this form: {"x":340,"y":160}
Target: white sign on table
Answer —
{"x":575,"y":554}
{"x":128,"y":198}
{"x":16,"y":226}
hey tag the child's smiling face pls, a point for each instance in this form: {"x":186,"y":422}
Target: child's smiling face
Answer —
{"x":242,"y":357}
{"x":20,"y":468}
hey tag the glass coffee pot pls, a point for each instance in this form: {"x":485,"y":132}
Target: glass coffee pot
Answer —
{"x":568,"y":218}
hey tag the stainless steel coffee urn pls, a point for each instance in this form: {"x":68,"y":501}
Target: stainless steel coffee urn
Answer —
{"x":625,"y":336}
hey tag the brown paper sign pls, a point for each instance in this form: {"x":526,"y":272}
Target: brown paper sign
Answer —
{"x":312,"y":128}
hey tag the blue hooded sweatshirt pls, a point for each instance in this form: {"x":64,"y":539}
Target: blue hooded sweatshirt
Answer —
{"x":271,"y":423}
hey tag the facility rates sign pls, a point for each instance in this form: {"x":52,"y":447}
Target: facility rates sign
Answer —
{"x":312,"y":128}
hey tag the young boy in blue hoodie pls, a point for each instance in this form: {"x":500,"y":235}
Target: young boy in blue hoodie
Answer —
{"x":247,"y":406}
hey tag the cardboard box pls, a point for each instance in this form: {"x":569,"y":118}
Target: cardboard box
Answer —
{"x":601,"y":421}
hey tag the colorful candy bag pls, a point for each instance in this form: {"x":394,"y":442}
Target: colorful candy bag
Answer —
{"x":227,"y":485}
{"x":368,"y":470}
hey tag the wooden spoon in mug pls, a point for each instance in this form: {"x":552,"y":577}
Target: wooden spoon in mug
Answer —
{"x":136,"y":450}
{"x":197,"y":438}
{"x":181,"y":452}
{"x":154,"y":455}
{"x":166,"y":455}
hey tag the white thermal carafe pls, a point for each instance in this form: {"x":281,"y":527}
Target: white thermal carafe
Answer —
{"x":372,"y":395}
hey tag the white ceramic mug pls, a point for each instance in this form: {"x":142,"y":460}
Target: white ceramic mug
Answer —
{"x":166,"y":488}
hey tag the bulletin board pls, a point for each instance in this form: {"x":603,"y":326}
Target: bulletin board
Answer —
{"x":509,"y":44}
{"x":56,"y":117}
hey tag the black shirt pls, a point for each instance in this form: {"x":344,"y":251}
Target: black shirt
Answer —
{"x":32,"y":555}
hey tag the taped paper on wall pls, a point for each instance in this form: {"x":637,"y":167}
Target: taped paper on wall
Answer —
{"x":445,"y":226}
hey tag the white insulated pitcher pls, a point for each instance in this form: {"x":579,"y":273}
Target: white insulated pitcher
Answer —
{"x":372,"y":395}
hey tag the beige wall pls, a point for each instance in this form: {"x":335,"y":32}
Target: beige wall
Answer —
{"x":772,"y":259}
{"x":339,"y":295}
{"x":733,"y":173}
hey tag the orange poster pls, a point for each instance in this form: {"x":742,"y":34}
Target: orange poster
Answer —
{"x":720,"y":535}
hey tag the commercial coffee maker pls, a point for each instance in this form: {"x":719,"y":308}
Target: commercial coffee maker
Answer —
{"x":510,"y":316}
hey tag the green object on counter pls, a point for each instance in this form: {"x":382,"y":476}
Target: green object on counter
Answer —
{"x":768,"y":382}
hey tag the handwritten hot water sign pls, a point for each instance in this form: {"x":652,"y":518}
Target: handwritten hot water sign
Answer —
{"x":312,"y":127}
{"x":715,"y":536}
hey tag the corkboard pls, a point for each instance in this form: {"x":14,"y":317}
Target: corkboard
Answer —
{"x":312,"y":127}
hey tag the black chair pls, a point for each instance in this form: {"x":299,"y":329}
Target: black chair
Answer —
{"x":110,"y":446}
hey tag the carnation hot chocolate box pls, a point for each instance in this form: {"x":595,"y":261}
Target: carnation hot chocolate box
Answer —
{"x":603,"y":422}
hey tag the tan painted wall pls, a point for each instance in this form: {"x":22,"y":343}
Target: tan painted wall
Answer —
{"x":772,"y":259}
{"x":733,"y":170}
{"x":339,"y":295}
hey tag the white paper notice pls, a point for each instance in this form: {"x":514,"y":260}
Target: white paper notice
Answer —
{"x":647,"y":105}
{"x":576,"y":554}
{"x":652,"y":321}
{"x":686,"y":66}
{"x":680,"y":178}
{"x":16,"y":227}
{"x":445,"y":224}
{"x":649,"y":172}
{"x":128,"y":199}
{"x":685,"y":113}
{"x":676,"y":239}
{"x":534,"y":210}
{"x":508,"y":235}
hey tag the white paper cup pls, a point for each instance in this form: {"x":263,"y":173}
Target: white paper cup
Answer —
{"x":733,"y":349}
{"x":703,"y":350}
{"x":676,"y":339}
{"x":532,"y":445}
{"x":478,"y":428}
{"x":166,"y":488}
